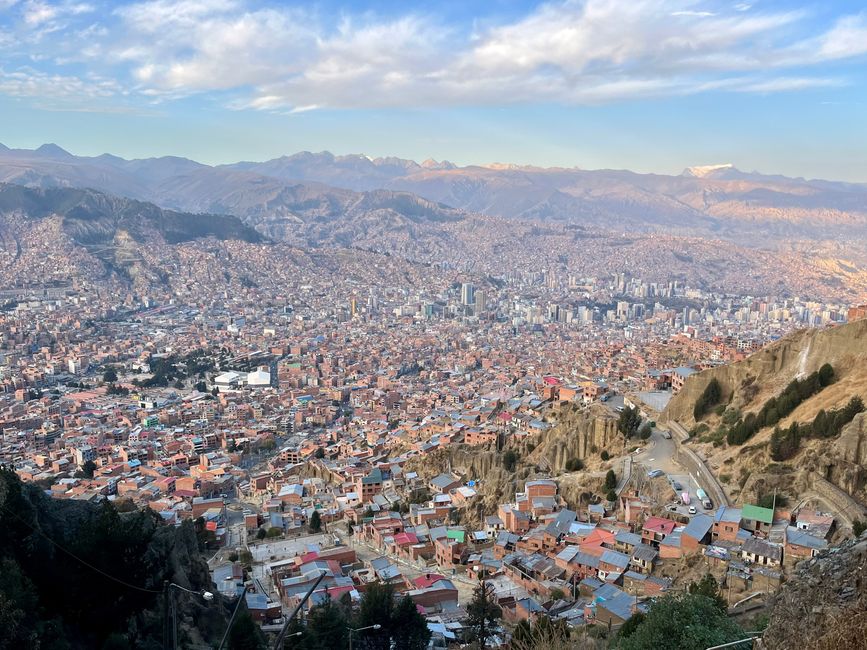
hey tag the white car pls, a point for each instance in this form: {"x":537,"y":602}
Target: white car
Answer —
{"x":666,"y":434}
{"x":692,"y":510}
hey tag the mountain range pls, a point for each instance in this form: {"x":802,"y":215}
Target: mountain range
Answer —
{"x":717,"y":201}
{"x":712,"y":226}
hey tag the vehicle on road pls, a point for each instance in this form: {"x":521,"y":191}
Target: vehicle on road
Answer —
{"x":707,"y":504}
{"x":685,"y":498}
{"x":677,"y":486}
{"x":654,"y":473}
{"x":692,"y":510}
{"x":665,"y":434}
{"x":701,"y":494}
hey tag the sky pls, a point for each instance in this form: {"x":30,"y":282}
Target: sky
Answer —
{"x":648,"y":85}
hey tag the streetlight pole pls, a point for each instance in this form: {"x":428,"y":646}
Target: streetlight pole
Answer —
{"x":169,"y":588}
{"x":361,"y":629}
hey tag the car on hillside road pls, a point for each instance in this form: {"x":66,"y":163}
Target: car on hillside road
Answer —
{"x":654,"y":473}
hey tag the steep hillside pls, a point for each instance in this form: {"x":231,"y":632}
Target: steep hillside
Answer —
{"x":823,"y":606}
{"x":747,"y":384}
{"x":93,"y":218}
{"x":79,"y":575}
{"x":825,"y":465}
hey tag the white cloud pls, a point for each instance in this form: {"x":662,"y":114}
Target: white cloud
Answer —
{"x":271,"y":57}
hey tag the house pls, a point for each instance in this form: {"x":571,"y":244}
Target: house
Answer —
{"x":679,"y":377}
{"x":444,"y":483}
{"x":757,"y":520}
{"x":613,"y":606}
{"x":656,"y":529}
{"x":801,"y":545}
{"x":696,"y":534}
{"x":818,"y":524}
{"x":726,"y":524}
{"x":612,"y":564}
{"x":643,"y":557}
{"x":761,"y":552}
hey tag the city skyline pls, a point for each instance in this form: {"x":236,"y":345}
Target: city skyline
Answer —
{"x":776,"y":87}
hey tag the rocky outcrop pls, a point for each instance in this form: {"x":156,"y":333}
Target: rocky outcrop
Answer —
{"x":845,"y":464}
{"x":823,"y":606}
{"x":578,"y":434}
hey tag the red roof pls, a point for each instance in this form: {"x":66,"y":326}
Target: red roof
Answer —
{"x":552,"y":381}
{"x":425,"y":581}
{"x":402,"y":539}
{"x":659,"y":525}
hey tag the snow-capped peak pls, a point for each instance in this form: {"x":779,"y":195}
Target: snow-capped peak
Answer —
{"x":703,"y":170}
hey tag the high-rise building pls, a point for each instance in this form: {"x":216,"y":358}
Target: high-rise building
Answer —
{"x":468,"y":292}
{"x":480,"y":302}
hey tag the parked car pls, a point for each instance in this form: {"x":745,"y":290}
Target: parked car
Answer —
{"x":655,"y":472}
{"x":677,"y":486}
{"x":692,"y":510}
{"x":666,"y":434}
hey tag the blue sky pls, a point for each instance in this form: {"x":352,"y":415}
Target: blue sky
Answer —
{"x":649,"y":85}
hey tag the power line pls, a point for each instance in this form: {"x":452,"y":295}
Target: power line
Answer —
{"x":70,"y":553}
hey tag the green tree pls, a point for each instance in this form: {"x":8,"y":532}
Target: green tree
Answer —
{"x":245,"y":634}
{"x":510,"y":460}
{"x":610,"y":480}
{"x":109,"y":376}
{"x":315,"y":522}
{"x":858,"y":527}
{"x":708,"y":587}
{"x":611,"y":496}
{"x":629,"y":421}
{"x":483,"y":613}
{"x":826,"y":374}
{"x":88,"y":468}
{"x":326,"y":627}
{"x":261,"y":533}
{"x":683,"y":621}
{"x":409,"y":629}
{"x":319,"y":453}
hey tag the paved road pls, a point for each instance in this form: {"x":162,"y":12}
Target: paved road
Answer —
{"x":660,"y":454}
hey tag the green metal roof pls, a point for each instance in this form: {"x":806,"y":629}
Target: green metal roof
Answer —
{"x":756,"y":513}
{"x":456,"y":535}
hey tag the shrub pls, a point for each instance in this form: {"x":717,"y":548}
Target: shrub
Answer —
{"x":510,"y":460}
{"x":574,"y":465}
{"x":610,"y":480}
{"x":611,"y":496}
{"x":604,"y":455}
{"x":858,"y":527}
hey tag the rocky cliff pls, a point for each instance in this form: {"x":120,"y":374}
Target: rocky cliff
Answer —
{"x":577,"y":434}
{"x":824,"y":604}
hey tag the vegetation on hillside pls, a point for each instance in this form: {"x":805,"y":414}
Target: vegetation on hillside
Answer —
{"x":827,"y":424}
{"x":79,"y":575}
{"x":777,"y":408}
